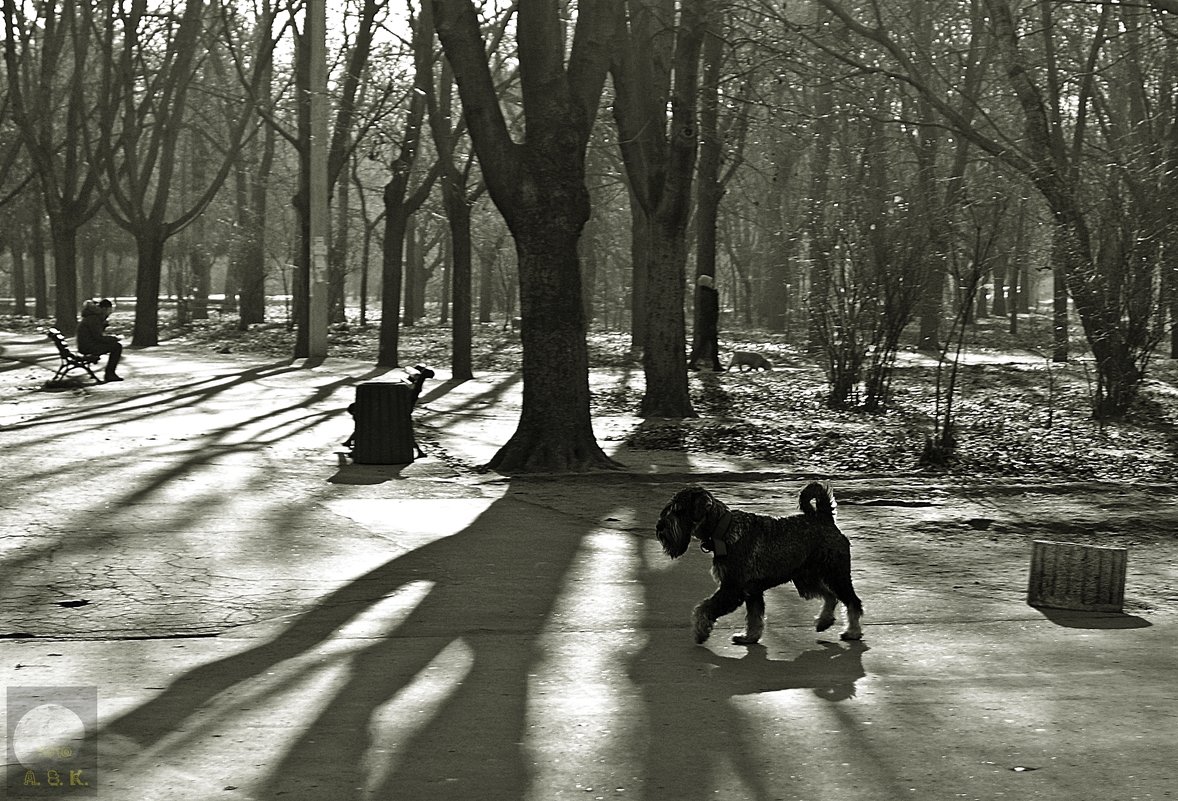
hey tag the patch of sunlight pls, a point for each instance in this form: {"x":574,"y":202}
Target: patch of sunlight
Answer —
{"x":601,"y":588}
{"x":271,"y":428}
{"x":434,"y":519}
{"x":656,"y":560}
{"x":835,"y":770}
{"x":579,"y":702}
{"x":285,"y":701}
{"x":380,"y":618}
{"x":234,"y":739}
{"x":394,"y":723}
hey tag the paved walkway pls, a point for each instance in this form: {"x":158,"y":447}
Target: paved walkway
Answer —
{"x":260,"y":619}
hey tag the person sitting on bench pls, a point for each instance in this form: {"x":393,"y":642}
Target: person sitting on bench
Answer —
{"x":93,"y":342}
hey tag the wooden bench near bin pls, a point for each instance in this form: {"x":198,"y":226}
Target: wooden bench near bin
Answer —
{"x":1089,"y":578}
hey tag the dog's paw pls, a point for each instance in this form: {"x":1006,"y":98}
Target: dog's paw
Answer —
{"x":701,"y":626}
{"x":852,"y":636}
{"x":745,"y":639}
{"x":823,"y":623}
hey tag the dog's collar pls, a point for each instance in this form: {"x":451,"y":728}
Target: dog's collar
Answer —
{"x":714,"y":543}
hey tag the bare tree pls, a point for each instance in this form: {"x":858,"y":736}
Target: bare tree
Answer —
{"x":657,"y":64}
{"x":1051,"y":144}
{"x":399,"y":201}
{"x":155,"y":70}
{"x":57,"y":66}
{"x":346,"y":135}
{"x":713,"y":177}
{"x":457,"y":200}
{"x":250,"y":44}
{"x":538,"y":185}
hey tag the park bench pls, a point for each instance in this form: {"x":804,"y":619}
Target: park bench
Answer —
{"x":69,"y":360}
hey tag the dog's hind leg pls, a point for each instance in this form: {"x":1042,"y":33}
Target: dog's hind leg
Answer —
{"x":724,"y":600}
{"x":810,"y":586}
{"x":825,"y":618}
{"x":841,"y":586}
{"x":754,"y":610}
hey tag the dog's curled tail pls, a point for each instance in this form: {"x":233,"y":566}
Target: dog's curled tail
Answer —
{"x":817,"y":501}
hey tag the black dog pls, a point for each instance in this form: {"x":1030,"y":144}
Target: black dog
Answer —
{"x":752,"y":553}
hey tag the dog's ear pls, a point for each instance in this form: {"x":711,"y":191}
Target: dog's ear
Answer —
{"x":701,"y":504}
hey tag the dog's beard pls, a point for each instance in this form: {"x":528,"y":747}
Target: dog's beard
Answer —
{"x":674,"y":539}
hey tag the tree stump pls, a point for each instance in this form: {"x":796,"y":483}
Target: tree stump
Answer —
{"x":1089,"y":578}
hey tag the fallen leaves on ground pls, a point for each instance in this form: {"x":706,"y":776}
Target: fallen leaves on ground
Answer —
{"x":1016,"y":416}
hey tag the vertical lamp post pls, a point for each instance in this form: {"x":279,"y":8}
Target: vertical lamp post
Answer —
{"x":317,"y":302}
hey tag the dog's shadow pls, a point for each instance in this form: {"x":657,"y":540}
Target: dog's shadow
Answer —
{"x":713,"y":717}
{"x":718,"y":711}
{"x":830,"y":671}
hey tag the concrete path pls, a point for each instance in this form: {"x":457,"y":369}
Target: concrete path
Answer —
{"x":258,"y":618}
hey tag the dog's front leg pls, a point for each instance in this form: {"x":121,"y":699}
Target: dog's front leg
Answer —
{"x":724,"y":600}
{"x":754,"y":611}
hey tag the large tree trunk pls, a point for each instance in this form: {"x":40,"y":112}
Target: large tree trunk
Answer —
{"x":392,"y":270}
{"x":539,"y":187}
{"x":554,"y":432}
{"x":660,"y":160}
{"x":458,"y":214}
{"x":41,"y":279}
{"x":1118,"y":375}
{"x":149,"y":241}
{"x":252,"y":245}
{"x":65,"y":272}
{"x":709,"y":191}
{"x":664,"y":360}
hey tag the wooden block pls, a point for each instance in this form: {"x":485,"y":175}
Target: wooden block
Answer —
{"x":1064,"y":575}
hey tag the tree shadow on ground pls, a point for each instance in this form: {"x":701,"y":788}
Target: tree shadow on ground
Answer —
{"x":488,"y":591}
{"x":271,"y":424}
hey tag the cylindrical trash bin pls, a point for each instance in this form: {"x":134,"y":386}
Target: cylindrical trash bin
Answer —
{"x":384,"y":423}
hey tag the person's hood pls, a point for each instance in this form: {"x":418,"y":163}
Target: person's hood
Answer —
{"x":90,"y":308}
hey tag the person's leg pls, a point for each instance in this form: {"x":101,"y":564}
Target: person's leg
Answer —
{"x":112,"y":359}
